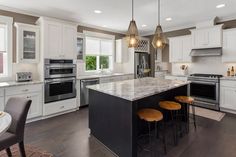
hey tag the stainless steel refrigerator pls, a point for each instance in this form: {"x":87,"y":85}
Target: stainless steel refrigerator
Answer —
{"x":141,"y":64}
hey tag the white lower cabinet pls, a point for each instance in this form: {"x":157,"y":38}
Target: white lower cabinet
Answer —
{"x":180,"y":78}
{"x":32,"y":92}
{"x":78,"y":93}
{"x":59,"y":106}
{"x":228,"y":96}
{"x":1,"y":99}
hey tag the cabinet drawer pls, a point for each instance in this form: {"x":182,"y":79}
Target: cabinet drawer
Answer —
{"x":23,"y":89}
{"x":60,"y":106}
{"x":227,"y":83}
{"x":1,"y":92}
{"x":180,"y":78}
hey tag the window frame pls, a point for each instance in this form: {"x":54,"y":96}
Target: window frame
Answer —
{"x":8,"y":21}
{"x":101,"y":37}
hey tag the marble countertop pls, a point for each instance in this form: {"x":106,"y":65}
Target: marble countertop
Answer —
{"x":137,"y":88}
{"x":101,"y":75}
{"x":14,"y":83}
{"x":233,"y":78}
{"x":168,"y":74}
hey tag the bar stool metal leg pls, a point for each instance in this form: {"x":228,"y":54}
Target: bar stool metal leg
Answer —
{"x":194,"y":118}
{"x":164,"y":136}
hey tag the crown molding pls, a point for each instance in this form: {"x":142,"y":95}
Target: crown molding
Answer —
{"x":151,"y":32}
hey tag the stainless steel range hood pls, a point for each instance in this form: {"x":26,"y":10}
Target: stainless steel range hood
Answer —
{"x":206,"y":52}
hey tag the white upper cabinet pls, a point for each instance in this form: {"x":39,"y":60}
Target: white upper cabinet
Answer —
{"x":180,"y":48}
{"x":69,"y":41}
{"x":58,"y":38}
{"x":210,"y":37}
{"x":53,"y":40}
{"x":121,"y":51}
{"x":229,"y":45}
{"x":27,"y":43}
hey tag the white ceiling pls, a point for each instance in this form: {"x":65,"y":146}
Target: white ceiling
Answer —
{"x":116,"y":14}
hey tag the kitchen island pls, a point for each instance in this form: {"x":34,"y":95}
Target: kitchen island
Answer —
{"x":113,"y":106}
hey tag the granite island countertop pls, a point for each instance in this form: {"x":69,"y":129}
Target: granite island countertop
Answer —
{"x":80,"y":77}
{"x":137,"y":88}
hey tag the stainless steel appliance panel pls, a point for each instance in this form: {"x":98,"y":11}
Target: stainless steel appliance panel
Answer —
{"x":60,"y":89}
{"x":59,"y":68}
{"x":84,"y":94}
{"x":141,"y":62}
{"x":205,"y":89}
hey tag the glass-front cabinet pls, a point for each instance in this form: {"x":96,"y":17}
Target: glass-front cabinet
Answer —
{"x":27,"y":43}
{"x":80,"y":46}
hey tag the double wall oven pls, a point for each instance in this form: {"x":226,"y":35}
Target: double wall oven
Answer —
{"x":205,"y":88}
{"x":60,"y":79}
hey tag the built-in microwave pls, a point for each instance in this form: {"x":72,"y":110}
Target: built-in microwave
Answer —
{"x":59,"y":68}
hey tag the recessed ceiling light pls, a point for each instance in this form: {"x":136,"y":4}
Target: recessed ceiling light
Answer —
{"x":104,"y":26}
{"x":220,"y":6}
{"x":97,"y":11}
{"x":144,"y":25}
{"x":168,"y":19}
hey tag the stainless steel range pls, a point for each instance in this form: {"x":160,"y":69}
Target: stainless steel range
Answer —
{"x":205,"y":88}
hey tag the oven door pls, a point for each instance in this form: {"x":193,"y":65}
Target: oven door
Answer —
{"x":204,"y":91}
{"x":57,"y":71}
{"x":60,"y":89}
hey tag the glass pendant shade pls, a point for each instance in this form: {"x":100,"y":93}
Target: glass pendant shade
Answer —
{"x":132,"y":35}
{"x":159,"y":40}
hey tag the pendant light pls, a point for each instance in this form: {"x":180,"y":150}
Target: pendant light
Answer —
{"x":132,"y":33}
{"x":159,"y":40}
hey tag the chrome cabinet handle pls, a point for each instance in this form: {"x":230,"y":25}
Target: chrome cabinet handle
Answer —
{"x":25,"y":90}
{"x":62,"y":107}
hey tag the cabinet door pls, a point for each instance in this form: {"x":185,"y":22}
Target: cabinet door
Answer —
{"x":27,"y":43}
{"x":69,"y":41}
{"x":214,"y":37}
{"x":201,"y":38}
{"x":1,"y":103}
{"x":121,"y":51}
{"x":78,"y":92}
{"x":187,"y":47}
{"x":229,"y":46}
{"x":53,"y":40}
{"x":228,"y":98}
{"x":36,"y":106}
{"x":176,"y":48}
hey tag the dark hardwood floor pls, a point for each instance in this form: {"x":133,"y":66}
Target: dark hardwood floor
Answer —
{"x":68,"y":136}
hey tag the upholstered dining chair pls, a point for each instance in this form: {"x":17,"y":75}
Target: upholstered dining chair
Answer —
{"x":18,"y":108}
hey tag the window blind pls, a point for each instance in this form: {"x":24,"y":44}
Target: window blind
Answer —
{"x":97,"y":46}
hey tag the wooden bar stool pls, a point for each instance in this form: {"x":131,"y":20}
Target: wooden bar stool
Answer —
{"x":187,"y":102}
{"x":150,"y":115}
{"x":173,"y":108}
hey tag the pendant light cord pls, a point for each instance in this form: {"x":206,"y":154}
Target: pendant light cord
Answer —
{"x":132,"y":10}
{"x":159,"y":12}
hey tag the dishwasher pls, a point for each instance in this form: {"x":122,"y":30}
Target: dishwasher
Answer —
{"x":84,"y":92}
